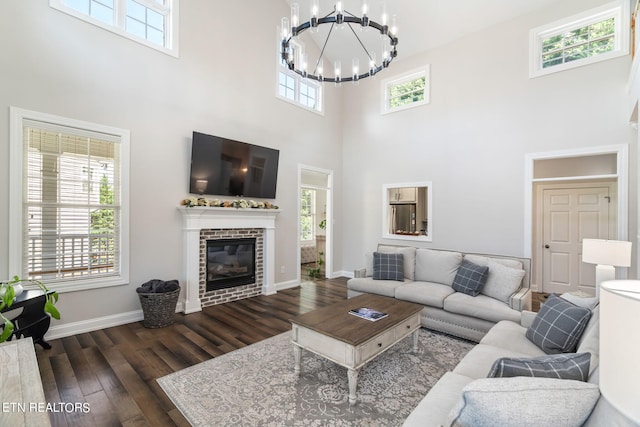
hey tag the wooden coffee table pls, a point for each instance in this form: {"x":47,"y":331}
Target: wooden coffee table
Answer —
{"x":349,"y":341}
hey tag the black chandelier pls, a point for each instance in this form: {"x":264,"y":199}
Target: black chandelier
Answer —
{"x":297,"y":62}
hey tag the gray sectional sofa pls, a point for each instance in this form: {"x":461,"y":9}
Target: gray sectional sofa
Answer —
{"x":428,"y":279}
{"x":535,"y":402}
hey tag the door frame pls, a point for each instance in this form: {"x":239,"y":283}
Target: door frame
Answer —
{"x":328,"y":253}
{"x":538,"y":227}
{"x":621,"y":176}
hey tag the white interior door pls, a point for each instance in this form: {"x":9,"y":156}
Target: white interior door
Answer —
{"x":570,"y":215}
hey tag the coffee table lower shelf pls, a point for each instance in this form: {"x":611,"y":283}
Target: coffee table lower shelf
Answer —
{"x":352,"y":357}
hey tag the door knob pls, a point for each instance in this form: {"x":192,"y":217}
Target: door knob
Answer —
{"x":546,"y":246}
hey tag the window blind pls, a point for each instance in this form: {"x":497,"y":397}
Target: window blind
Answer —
{"x":72,"y":203}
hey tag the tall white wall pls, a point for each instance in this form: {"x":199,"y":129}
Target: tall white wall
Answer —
{"x":485,"y":115}
{"x":222,"y":84}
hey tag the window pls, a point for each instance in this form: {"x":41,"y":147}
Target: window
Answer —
{"x":150,"y":22}
{"x":593,"y":36}
{"x":68,"y":183}
{"x":294,"y":88}
{"x":407,"y":91}
{"x":308,"y":215}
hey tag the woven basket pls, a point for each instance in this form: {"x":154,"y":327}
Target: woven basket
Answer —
{"x":159,"y":309}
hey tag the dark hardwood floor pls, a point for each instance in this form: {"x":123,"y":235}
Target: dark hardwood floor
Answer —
{"x":114,"y":370}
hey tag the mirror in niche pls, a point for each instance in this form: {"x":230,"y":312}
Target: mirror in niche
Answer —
{"x":407,"y":211}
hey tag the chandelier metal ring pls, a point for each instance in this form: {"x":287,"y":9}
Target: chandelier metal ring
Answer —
{"x":337,"y":17}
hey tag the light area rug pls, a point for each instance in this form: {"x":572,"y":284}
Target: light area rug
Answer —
{"x":256,"y":385}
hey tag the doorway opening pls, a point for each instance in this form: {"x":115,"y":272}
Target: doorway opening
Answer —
{"x":571,"y":195}
{"x":315,"y":228}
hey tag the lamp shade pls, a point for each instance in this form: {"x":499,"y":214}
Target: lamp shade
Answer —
{"x":620,"y":345}
{"x":606,"y":252}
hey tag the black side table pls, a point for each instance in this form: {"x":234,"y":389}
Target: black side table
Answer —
{"x":33,"y":321}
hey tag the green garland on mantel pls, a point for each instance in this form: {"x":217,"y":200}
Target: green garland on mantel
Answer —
{"x":217,"y":203}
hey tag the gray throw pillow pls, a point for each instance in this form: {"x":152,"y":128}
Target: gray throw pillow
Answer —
{"x":568,"y":366}
{"x":491,"y":402}
{"x":470,"y":278}
{"x":388,"y":266}
{"x":502,"y":281}
{"x":558,"y":325}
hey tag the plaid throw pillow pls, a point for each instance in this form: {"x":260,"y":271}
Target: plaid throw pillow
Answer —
{"x":569,"y":366}
{"x":388,"y":266}
{"x":558,"y":325}
{"x":470,"y":278}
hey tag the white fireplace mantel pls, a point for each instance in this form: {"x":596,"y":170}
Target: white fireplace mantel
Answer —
{"x":200,"y":218}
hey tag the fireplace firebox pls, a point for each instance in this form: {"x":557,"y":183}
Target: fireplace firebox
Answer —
{"x":230,"y":263}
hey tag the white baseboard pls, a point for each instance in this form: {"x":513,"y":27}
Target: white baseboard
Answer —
{"x":83,"y":326}
{"x":347,"y":274}
{"x":287,"y":285}
{"x":90,"y":325}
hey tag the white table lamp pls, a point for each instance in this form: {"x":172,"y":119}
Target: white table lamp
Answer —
{"x":607,"y":254}
{"x":620,"y":345}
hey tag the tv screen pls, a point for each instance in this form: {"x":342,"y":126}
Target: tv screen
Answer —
{"x":224,"y":167}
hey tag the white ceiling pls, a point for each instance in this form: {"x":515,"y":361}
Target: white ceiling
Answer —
{"x":425,"y":24}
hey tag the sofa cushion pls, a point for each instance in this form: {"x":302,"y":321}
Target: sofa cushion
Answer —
{"x":437,"y":404}
{"x":567,"y":366}
{"x":586,"y":302}
{"x":482,"y":307}
{"x":408,"y":253}
{"x":437,"y":266}
{"x":470,"y":278}
{"x":478,"y":362}
{"x":502,"y":281}
{"x":484,"y":260}
{"x":558,"y":325}
{"x":508,"y":334}
{"x":386,"y":288}
{"x":425,"y":293}
{"x":388,"y":266}
{"x":508,"y":402}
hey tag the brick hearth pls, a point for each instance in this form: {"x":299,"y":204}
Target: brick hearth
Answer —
{"x":221,"y":296}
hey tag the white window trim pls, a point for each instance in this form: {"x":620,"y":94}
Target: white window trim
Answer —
{"x":619,"y":10}
{"x":298,"y":79}
{"x":16,"y":170}
{"x":282,"y":69}
{"x":171,"y":32}
{"x":414,"y":74}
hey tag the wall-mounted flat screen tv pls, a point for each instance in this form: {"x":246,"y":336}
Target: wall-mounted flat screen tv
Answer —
{"x":224,"y":167}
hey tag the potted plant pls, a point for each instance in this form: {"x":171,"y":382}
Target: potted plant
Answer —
{"x":315,"y":273}
{"x":8,"y":292}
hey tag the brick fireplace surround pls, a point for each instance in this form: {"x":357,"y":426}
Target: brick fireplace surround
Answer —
{"x":202,"y":223}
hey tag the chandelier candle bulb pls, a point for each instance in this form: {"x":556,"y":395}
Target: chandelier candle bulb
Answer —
{"x":394,"y":27}
{"x":384,"y":18}
{"x":364,"y":22}
{"x":355,"y":65}
{"x":295,"y":18}
{"x":339,"y":14}
{"x":315,"y":9}
{"x":385,"y":55}
{"x":284,"y":26}
{"x":303,"y":64}
{"x":338,"y":70}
